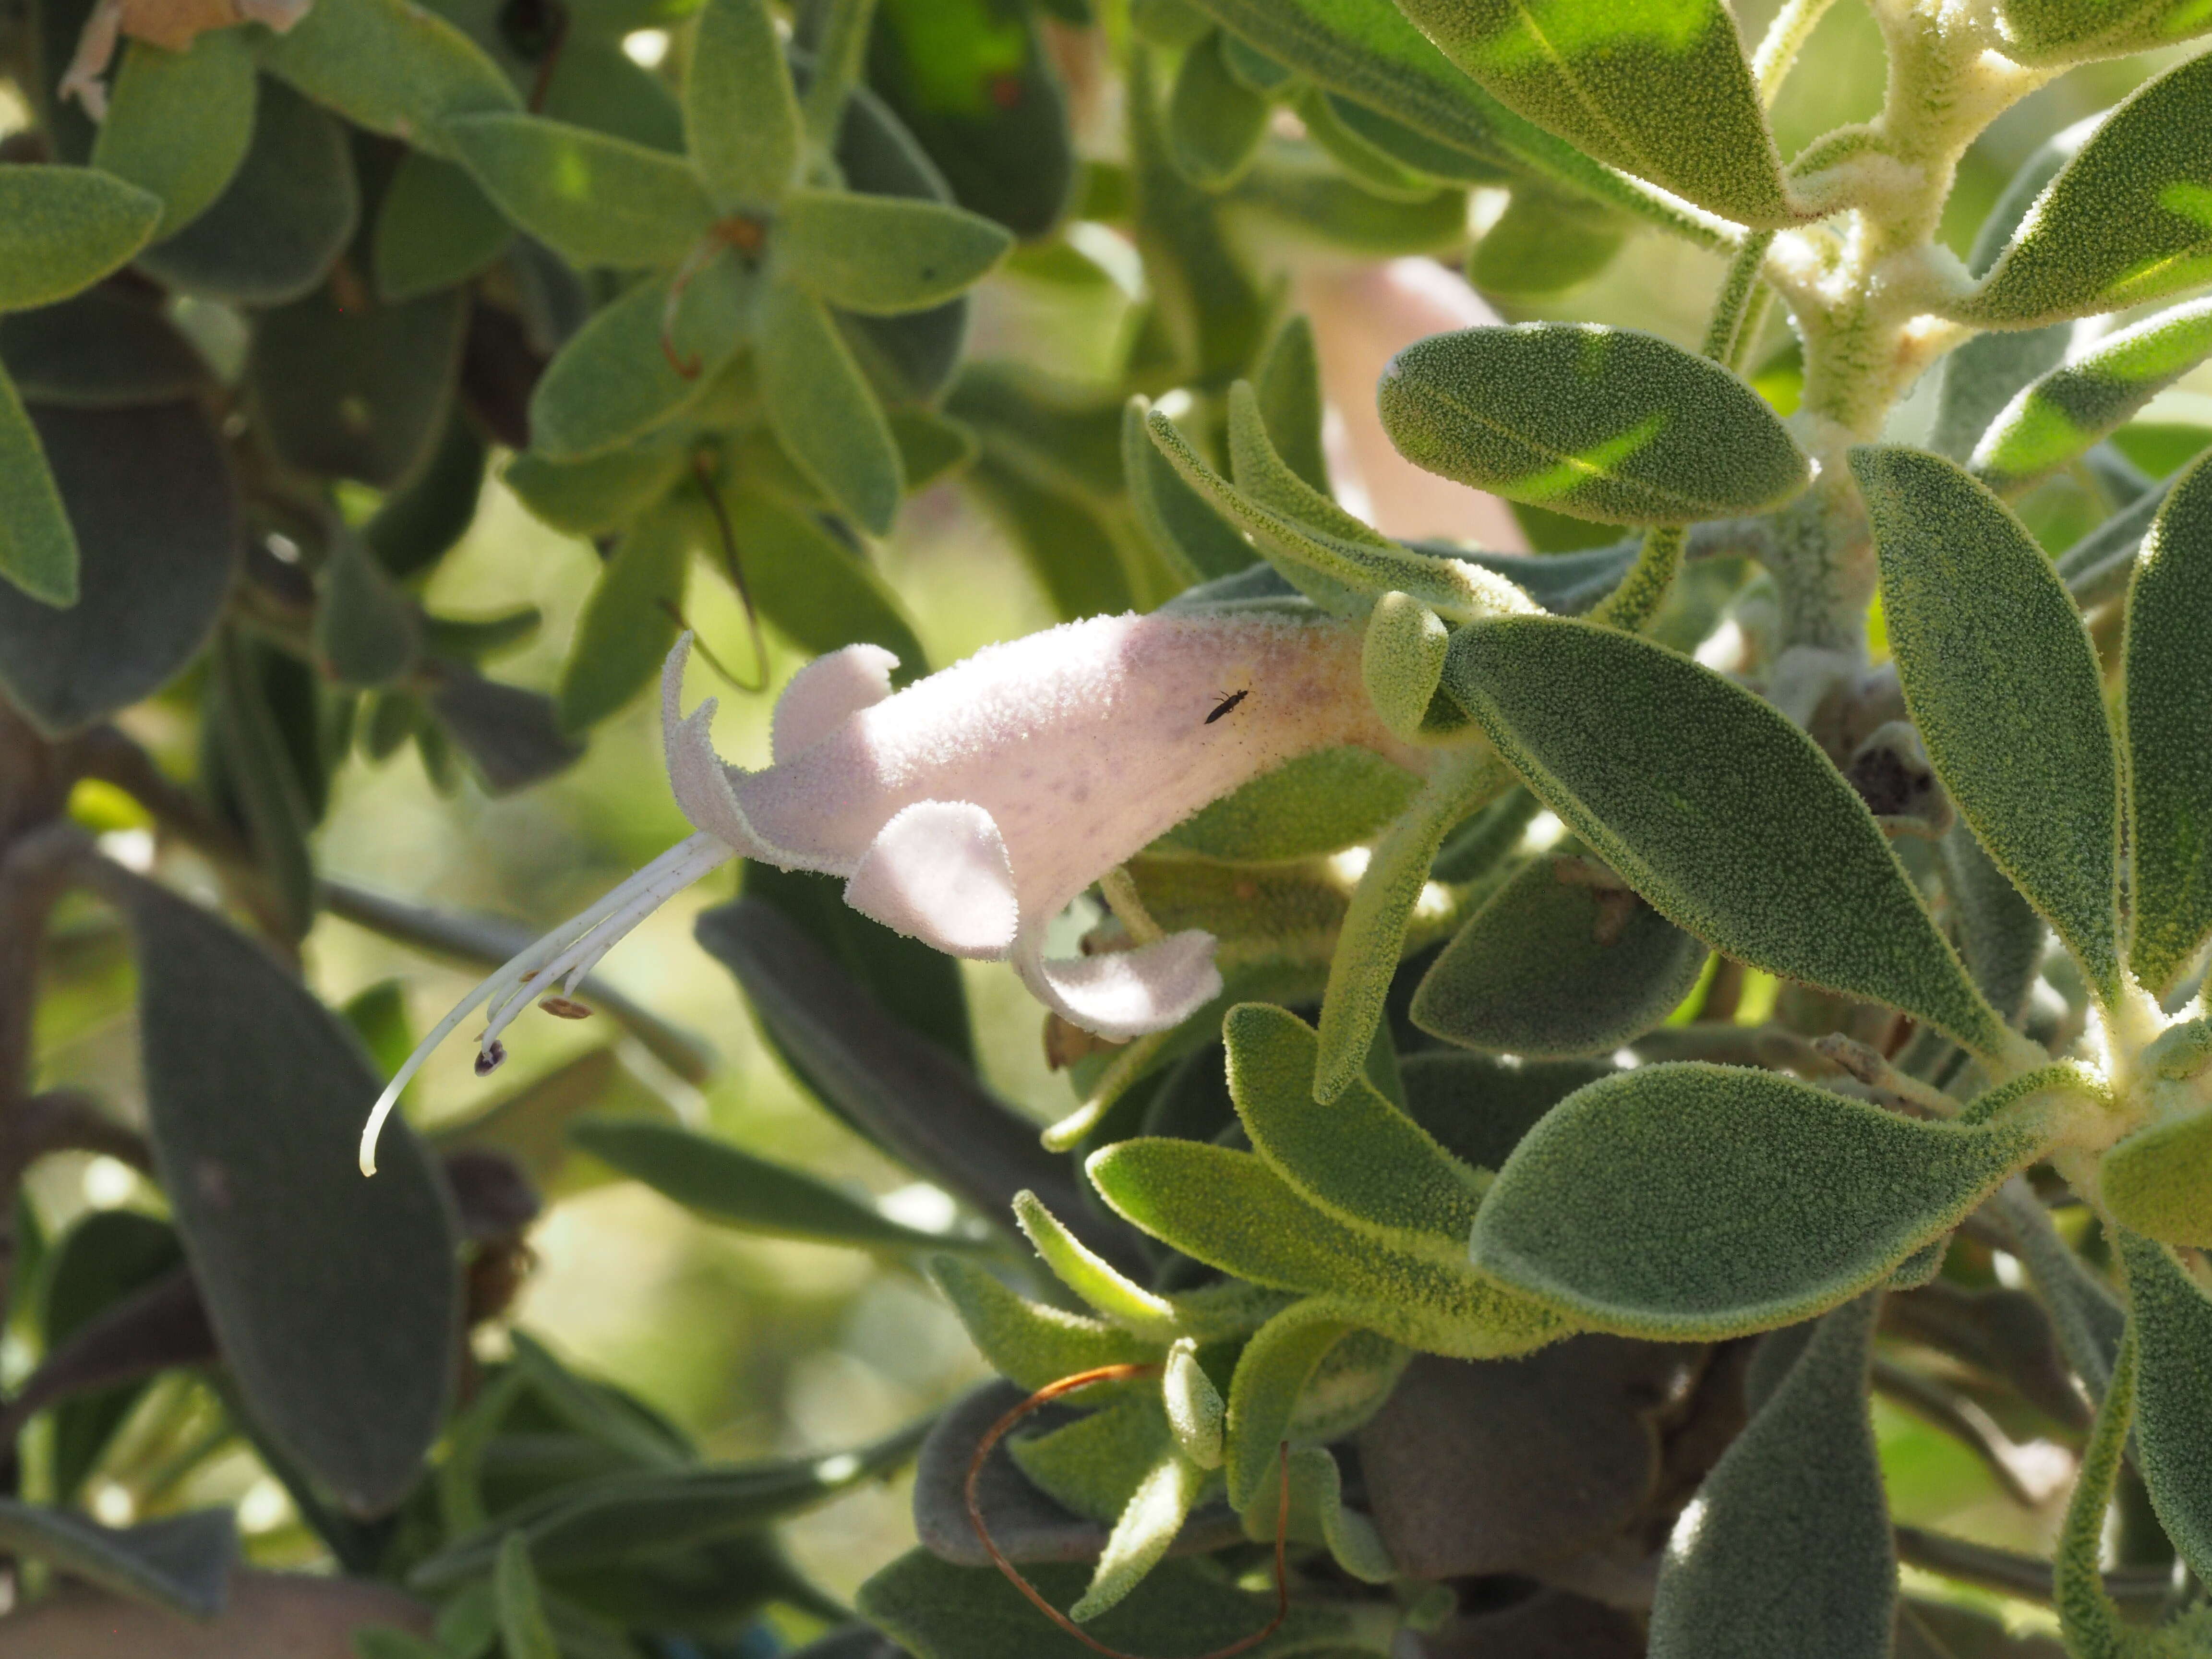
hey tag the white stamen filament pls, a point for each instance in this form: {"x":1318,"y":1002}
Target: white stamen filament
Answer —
{"x":574,"y":948}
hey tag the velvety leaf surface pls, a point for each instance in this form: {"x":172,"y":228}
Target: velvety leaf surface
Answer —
{"x":883,"y":255}
{"x":524,"y":1632}
{"x":1694,"y":1200}
{"x":629,"y":621}
{"x":2158,"y":1181}
{"x":287,"y":212}
{"x":1999,"y":934}
{"x":2167,"y":719}
{"x":2002,"y":683}
{"x":1478,"y":1108}
{"x":822,"y":410}
{"x":1725,"y":817}
{"x":740,"y":115}
{"x":356,"y":391}
{"x":38,"y":549}
{"x":2172,"y":1329}
{"x":365,"y":630}
{"x":1598,"y":422}
{"x":1315,"y":804}
{"x":2067,"y":409}
{"x":1214,"y":121}
{"x":1786,"y":1547}
{"x":727,"y":1183}
{"x":1660,"y":88}
{"x":2129,"y":218}
{"x":937,"y":1610}
{"x":2055,"y":31}
{"x":592,"y":199}
{"x":816,"y":590}
{"x":1230,"y":1210}
{"x":391,"y":66}
{"x":613,"y":381}
{"x":1552,"y":967}
{"x":179,"y":123}
{"x":182,"y":1562}
{"x":336,"y":1300}
{"x":594,"y":496}
{"x":435,"y":228}
{"x":1024,"y":1523}
{"x":63,"y":228}
{"x":1359,"y":1157}
{"x":148,"y":496}
{"x":1544,"y":243}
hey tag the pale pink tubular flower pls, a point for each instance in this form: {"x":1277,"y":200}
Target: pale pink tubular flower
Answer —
{"x":969,"y":809}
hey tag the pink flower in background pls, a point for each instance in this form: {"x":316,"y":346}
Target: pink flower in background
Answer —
{"x":971,"y":808}
{"x":1363,"y":315}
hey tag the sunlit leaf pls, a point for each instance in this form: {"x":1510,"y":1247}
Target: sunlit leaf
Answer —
{"x":2065,"y":32}
{"x":593,"y":199}
{"x":64,"y":228}
{"x":1599,"y":423}
{"x":739,"y":112}
{"x":179,"y":123}
{"x":822,"y":410}
{"x":1703,"y":1202}
{"x":391,"y":66}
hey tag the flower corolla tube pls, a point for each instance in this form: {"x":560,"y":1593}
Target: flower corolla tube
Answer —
{"x":969,"y":809}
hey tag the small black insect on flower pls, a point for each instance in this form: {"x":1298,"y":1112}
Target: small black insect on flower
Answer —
{"x":1228,"y":703}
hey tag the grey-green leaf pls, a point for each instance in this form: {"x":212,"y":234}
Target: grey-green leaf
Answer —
{"x":2173,"y":1328}
{"x":1787,"y":1547}
{"x":615,"y":379}
{"x":1554,"y":966}
{"x":1725,"y":817}
{"x":822,"y":410}
{"x":182,"y":1562}
{"x":336,"y":1300}
{"x":391,"y":66}
{"x":523,"y":1632}
{"x":1686,"y":1201}
{"x":1599,"y":423}
{"x":1660,"y":88}
{"x":2002,"y":681}
{"x":38,"y":550}
{"x":2063,"y":31}
{"x":434,"y":229}
{"x":883,"y":255}
{"x":739,"y":111}
{"x":2052,"y":421}
{"x":816,"y":590}
{"x":595,"y":200}
{"x":628,"y":620}
{"x":2128,"y":220}
{"x":154,"y":475}
{"x":179,"y":123}
{"x":2167,"y":719}
{"x":356,"y":391}
{"x":365,"y":630}
{"x":727,"y":1183}
{"x":1214,"y":121}
{"x":63,"y":228}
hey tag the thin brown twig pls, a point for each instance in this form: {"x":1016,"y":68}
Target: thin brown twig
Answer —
{"x":1044,"y":1396}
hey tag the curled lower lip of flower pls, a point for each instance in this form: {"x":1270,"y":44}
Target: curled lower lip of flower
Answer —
{"x":969,"y":809}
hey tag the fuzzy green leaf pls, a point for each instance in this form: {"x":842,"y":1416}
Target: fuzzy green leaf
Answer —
{"x":2172,"y":1323}
{"x":1228,"y":1210}
{"x":1033,"y":1344}
{"x":1367,"y":50}
{"x":1660,"y":88}
{"x":1214,"y":121}
{"x":1190,"y":536}
{"x":1786,"y":1547}
{"x":38,"y":549}
{"x":1544,"y":243}
{"x":391,"y":66}
{"x":1359,"y":1157}
{"x":1725,"y":817}
{"x":614,"y":382}
{"x":629,"y":621}
{"x":1146,"y":1526}
{"x":1083,"y":1270}
{"x":1598,"y":422}
{"x":434,"y":229}
{"x":592,"y":497}
{"x":1318,"y":1516}
{"x":179,"y":123}
{"x":1272,"y":1373}
{"x":1402,"y":660}
{"x":740,"y":113}
{"x":1094,"y":1464}
{"x":2002,"y":683}
{"x":2158,"y":1181}
{"x":523,"y":1632}
{"x":2167,"y":719}
{"x":2061,"y":415}
{"x":357,"y":390}
{"x":726,"y":1183}
{"x":592,"y":199}
{"x":2070,"y":32}
{"x":2000,"y":935}
{"x":1197,"y":1415}
{"x":1304,"y":195}
{"x":817,"y":591}
{"x":822,"y":410}
{"x":2129,"y":219}
{"x":934,"y":1610}
{"x":1693,"y":1201}
{"x":1317,"y":803}
{"x":63,"y":228}
{"x":883,"y":255}
{"x":1286,"y":383}
{"x":1552,"y":967}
